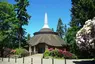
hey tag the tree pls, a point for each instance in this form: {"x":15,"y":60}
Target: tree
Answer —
{"x":70,"y":39}
{"x":28,"y":37}
{"x":3,"y":0}
{"x":8,"y":25}
{"x":85,"y":37}
{"x":82,"y":10}
{"x":65,"y":28}
{"x":60,"y":30}
{"x":23,"y":17}
{"x":52,"y":29}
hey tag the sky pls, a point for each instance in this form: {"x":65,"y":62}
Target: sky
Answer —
{"x":55,"y":9}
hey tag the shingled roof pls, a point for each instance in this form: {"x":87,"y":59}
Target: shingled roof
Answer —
{"x":48,"y":37}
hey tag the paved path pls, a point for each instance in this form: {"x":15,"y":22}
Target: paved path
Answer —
{"x":36,"y":58}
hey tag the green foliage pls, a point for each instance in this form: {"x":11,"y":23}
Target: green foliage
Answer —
{"x":46,"y":54}
{"x":57,"y":53}
{"x":21,"y":52}
{"x":11,"y":21}
{"x":54,"y":53}
{"x":20,"y":8}
{"x":82,"y":10}
{"x":8,"y":24}
{"x":23,"y":17}
{"x":70,"y":39}
{"x":61,"y":29}
{"x":71,"y":34}
{"x":74,"y":56}
{"x":28,"y":37}
{"x":25,"y":53}
{"x":3,"y":0}
{"x":53,"y":29}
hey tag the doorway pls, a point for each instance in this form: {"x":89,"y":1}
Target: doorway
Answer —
{"x":41,"y":48}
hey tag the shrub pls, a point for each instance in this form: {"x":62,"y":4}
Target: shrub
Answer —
{"x":74,"y":56}
{"x":25,"y":53}
{"x":6,"y":52}
{"x":46,"y":54}
{"x":21,"y":52}
{"x":61,"y":53}
{"x":54,"y":53}
{"x":67,"y":54}
{"x":57,"y":53}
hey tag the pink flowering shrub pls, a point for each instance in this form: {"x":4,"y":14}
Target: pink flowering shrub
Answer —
{"x":67,"y":54}
{"x":58,"y":53}
{"x":54,"y":53}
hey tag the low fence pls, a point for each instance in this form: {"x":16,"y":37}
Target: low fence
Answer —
{"x":29,"y":60}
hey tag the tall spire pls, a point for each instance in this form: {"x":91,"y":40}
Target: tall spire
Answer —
{"x":46,"y":21}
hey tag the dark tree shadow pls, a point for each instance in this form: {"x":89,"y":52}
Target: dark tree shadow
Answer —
{"x":84,"y":62}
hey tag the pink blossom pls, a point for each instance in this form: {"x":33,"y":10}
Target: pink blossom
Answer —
{"x":60,"y":51}
{"x":66,"y":53}
{"x":50,"y":49}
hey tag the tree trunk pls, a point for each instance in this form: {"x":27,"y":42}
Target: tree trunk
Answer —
{"x":2,"y":50}
{"x":20,"y":36}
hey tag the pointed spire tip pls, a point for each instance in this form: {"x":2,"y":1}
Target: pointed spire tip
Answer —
{"x":46,"y":21}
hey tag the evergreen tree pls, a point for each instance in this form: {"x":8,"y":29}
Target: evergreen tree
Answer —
{"x":70,"y":39}
{"x":60,"y":30}
{"x":65,"y":28}
{"x":28,"y":37}
{"x":82,"y":10}
{"x":23,"y":17}
{"x":52,"y":29}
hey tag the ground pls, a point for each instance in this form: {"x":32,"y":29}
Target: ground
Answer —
{"x":37,"y":60}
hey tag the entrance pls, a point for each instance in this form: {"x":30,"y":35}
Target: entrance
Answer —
{"x":41,"y":48}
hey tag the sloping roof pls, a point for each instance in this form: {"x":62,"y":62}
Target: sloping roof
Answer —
{"x":50,"y":39}
{"x":45,"y":30}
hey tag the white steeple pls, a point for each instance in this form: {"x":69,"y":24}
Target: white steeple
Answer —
{"x":46,"y":21}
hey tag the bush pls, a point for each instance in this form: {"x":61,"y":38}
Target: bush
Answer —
{"x":25,"y":53}
{"x":74,"y":56}
{"x":6,"y":52}
{"x":61,"y":53}
{"x":46,"y":54}
{"x":67,"y":55}
{"x":21,"y":52}
{"x":57,"y":53}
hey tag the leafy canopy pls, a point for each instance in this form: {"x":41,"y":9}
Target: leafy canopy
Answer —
{"x":82,"y":10}
{"x":8,"y":23}
{"x":60,"y":30}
